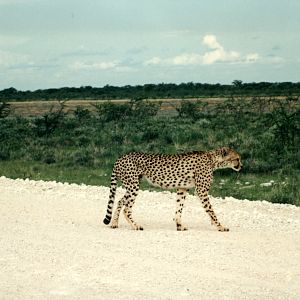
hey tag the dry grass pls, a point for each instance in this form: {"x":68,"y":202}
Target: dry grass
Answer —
{"x":39,"y":107}
{"x":35,"y":108}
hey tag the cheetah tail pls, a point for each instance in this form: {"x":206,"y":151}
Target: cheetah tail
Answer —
{"x":112,"y":194}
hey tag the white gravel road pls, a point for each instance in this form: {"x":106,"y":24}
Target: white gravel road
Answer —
{"x":53,"y":245}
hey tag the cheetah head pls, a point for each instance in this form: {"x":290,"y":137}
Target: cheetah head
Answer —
{"x":228,"y":158}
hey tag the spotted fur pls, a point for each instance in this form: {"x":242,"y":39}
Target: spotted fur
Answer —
{"x":182,"y":172}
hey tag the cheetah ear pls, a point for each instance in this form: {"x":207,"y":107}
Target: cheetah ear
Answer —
{"x":224,"y":151}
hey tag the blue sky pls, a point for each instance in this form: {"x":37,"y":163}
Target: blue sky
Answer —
{"x":61,"y":43}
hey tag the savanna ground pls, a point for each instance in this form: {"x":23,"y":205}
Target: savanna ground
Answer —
{"x":55,"y":246}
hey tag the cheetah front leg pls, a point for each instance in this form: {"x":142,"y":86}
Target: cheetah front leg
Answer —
{"x":181,"y":194}
{"x":203,"y":195}
{"x":202,"y":192}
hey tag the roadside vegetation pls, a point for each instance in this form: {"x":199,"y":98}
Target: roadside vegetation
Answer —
{"x":82,"y":146}
{"x":154,"y":91}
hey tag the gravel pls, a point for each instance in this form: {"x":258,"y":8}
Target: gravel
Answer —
{"x":55,"y":246}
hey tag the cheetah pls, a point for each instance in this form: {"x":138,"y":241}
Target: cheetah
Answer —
{"x":177,"y":171}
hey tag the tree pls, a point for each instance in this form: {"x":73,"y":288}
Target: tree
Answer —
{"x":4,"y":109}
{"x":284,"y":121}
{"x":237,"y":83}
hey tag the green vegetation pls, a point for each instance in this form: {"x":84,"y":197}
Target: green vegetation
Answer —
{"x":81,"y":147}
{"x":152,"y":91}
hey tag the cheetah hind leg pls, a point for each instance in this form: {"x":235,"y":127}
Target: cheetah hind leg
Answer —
{"x":120,"y":206}
{"x":115,"y":220}
{"x":128,"y":208}
{"x":128,"y":216}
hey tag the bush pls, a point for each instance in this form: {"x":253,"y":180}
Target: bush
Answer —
{"x":46,"y":124}
{"x":191,"y":110}
{"x":4,"y":109}
{"x":82,"y":157}
{"x":142,"y":109}
{"x":284,"y":122}
{"x":268,"y":140}
{"x":83,"y":140}
{"x":4,"y":153}
{"x":82,"y":114}
{"x":108,"y":111}
{"x":136,"y":109}
{"x":49,"y":158}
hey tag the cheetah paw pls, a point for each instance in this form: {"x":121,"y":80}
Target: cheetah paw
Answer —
{"x":138,"y":227}
{"x":181,"y":228}
{"x":223,"y":229}
{"x":114,"y":225}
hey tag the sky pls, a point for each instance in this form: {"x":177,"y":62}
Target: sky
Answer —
{"x":73,"y":43}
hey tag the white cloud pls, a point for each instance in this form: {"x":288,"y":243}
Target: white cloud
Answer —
{"x":153,"y":61}
{"x":175,"y":33}
{"x":179,"y":60}
{"x":220,"y":55}
{"x":12,"y":40}
{"x":10,"y":59}
{"x":216,"y":53}
{"x":252,"y":57}
{"x":14,"y":2}
{"x":273,"y":59}
{"x":211,"y":41}
{"x":105,"y":65}
{"x":187,"y":59}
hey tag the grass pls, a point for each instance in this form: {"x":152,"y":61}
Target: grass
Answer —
{"x":40,"y":107}
{"x":41,"y":171}
{"x":272,"y":187}
{"x":81,"y":147}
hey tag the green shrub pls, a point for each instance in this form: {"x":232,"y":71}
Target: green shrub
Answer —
{"x":82,"y":114}
{"x":49,"y":158}
{"x":82,"y":157}
{"x":108,"y":111}
{"x":4,"y":153}
{"x":81,"y":141}
{"x":50,"y":121}
{"x":4,"y":109}
{"x":142,"y":109}
{"x":191,"y":110}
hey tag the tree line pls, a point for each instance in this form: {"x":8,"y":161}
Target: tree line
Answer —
{"x":161,"y":90}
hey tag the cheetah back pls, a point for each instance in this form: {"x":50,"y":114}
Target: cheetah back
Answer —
{"x":166,"y":171}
